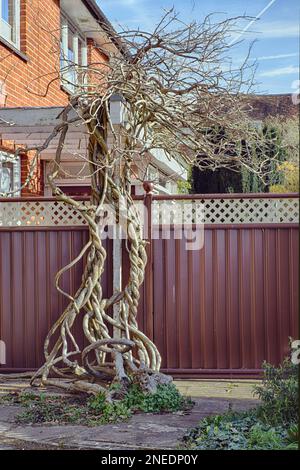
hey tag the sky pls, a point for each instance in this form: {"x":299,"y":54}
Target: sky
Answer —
{"x":276,"y":31}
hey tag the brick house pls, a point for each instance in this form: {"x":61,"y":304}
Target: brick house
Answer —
{"x":37,"y":37}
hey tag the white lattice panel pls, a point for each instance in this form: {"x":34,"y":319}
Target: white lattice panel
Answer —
{"x":38,"y":213}
{"x":227,"y":211}
{"x":166,"y":212}
{"x":177,"y":212}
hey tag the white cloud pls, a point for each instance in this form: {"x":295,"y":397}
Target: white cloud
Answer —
{"x":280,"y":71}
{"x":278,"y":56}
{"x":258,"y":16}
{"x":274,"y":29}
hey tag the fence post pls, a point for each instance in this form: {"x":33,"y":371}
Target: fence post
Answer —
{"x":148,"y":302}
{"x":117,"y":263}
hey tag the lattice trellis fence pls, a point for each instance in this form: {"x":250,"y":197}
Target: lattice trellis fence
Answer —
{"x":38,"y":213}
{"x":226,"y":211}
{"x":50,"y":213}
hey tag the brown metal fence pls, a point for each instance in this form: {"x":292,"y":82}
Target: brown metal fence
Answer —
{"x":215,"y":312}
{"x":226,"y":308}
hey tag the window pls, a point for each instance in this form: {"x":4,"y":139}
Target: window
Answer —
{"x":10,"y":21}
{"x":73,"y":55}
{"x":152,"y":174}
{"x":10,"y":174}
{"x":73,"y":176}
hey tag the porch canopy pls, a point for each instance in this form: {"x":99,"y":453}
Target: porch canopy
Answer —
{"x":32,"y":126}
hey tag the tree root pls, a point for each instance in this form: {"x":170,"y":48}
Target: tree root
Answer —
{"x":80,"y":386}
{"x":21,"y":375}
{"x":148,"y":380}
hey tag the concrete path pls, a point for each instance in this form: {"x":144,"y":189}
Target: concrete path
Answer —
{"x":213,"y":388}
{"x":140,"y":432}
{"x":151,"y":431}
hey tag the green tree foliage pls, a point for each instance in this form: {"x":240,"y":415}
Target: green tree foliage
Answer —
{"x":278,"y":144}
{"x":290,"y":175}
{"x":215,"y":182}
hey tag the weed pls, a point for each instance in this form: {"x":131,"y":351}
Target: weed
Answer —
{"x":96,"y":410}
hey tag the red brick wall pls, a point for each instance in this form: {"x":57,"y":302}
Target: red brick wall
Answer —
{"x":35,"y":82}
{"x":36,"y":185}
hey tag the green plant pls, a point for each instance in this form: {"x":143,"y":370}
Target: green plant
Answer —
{"x":167,"y":398}
{"x":95,"y":410}
{"x":293,"y":437}
{"x":262,"y":437}
{"x":108,"y":412}
{"x":279,"y":394}
{"x":221,"y":432}
{"x":45,"y":409}
{"x":237,"y":431}
{"x":290,"y":176}
{"x":184,"y":187}
{"x":270,"y":426}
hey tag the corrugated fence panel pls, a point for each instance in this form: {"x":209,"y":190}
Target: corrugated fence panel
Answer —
{"x":226,"y":308}
{"x":219,"y":311}
{"x":29,"y":301}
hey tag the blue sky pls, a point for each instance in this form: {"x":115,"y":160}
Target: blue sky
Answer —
{"x":276,"y":32}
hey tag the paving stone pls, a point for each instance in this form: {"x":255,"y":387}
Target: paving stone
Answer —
{"x":142,"y":431}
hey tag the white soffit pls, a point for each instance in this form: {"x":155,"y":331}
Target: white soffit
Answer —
{"x":31,"y":127}
{"x":81,"y":17}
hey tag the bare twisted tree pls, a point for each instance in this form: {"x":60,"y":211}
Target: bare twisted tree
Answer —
{"x":181,"y":94}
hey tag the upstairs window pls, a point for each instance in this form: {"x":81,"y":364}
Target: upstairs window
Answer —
{"x":10,"y":21}
{"x":73,"y":55}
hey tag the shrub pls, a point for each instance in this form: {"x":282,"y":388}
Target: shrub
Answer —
{"x":279,"y":394}
{"x":290,"y":176}
{"x":262,"y":437}
{"x":270,"y":426}
{"x":293,"y":437}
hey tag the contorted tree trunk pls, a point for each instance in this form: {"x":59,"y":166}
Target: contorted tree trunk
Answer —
{"x":179,"y":88}
{"x":129,"y":356}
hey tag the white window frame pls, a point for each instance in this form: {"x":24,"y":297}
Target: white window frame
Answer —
{"x":69,"y":77}
{"x":152,"y":174}
{"x":8,"y":31}
{"x":6,"y":157}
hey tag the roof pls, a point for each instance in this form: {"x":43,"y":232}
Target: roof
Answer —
{"x":280,"y":105}
{"x":98,"y":14}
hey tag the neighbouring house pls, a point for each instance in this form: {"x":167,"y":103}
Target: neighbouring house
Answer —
{"x":37,"y":41}
{"x":266,"y":106}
